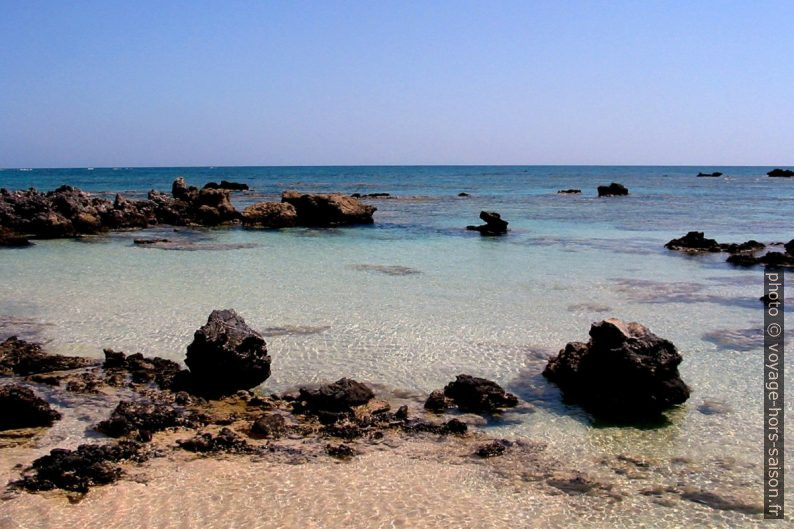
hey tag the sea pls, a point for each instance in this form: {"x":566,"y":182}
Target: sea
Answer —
{"x":414,"y":299}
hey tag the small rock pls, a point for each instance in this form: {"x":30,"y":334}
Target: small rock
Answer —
{"x":21,"y":408}
{"x":613,"y":189}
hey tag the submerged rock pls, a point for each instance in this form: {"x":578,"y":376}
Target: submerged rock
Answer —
{"x":227,"y":355}
{"x":494,"y":225}
{"x":613,"y":189}
{"x":270,"y":215}
{"x":569,"y":191}
{"x":78,"y":470}
{"x":714,"y":174}
{"x":271,"y":425}
{"x":21,"y":408}
{"x":335,"y":209}
{"x":479,"y":395}
{"x":18,"y":357}
{"x":226,"y":441}
{"x":624,"y":373}
{"x":497,"y":447}
{"x":146,"y":418}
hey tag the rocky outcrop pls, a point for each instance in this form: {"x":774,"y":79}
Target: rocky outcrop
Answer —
{"x":10,"y":239}
{"x":778,"y":259}
{"x":78,"y":470}
{"x":145,"y":418}
{"x":335,"y":209}
{"x":167,"y":374}
{"x":342,"y":395}
{"x":693,"y":241}
{"x":714,"y":174}
{"x":612,"y":190}
{"x":270,"y":215}
{"x":438,"y":402}
{"x":569,"y":191}
{"x":227,"y":355}
{"x":225,"y":184}
{"x":494,"y":225}
{"x":786,"y":173}
{"x":624,"y":373}
{"x":18,"y":357}
{"x":478,"y":395}
{"x":21,"y":408}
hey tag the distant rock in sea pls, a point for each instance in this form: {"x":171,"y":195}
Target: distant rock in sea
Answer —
{"x":714,"y":174}
{"x":494,"y":224}
{"x":786,"y":173}
{"x":612,"y":190}
{"x":569,"y":191}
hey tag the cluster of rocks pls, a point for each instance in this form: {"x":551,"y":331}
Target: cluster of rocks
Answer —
{"x":625,"y":373}
{"x":785,"y":173}
{"x":302,"y":209}
{"x":69,"y":212}
{"x":612,"y":190}
{"x":741,"y":254}
{"x":494,"y":224}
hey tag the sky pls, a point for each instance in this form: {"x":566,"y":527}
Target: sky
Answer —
{"x":164,"y":83}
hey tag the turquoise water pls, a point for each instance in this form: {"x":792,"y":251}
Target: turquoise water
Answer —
{"x":333,"y":303}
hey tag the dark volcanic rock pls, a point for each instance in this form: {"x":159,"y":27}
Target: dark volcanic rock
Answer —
{"x":624,"y":373}
{"x":21,"y":408}
{"x":693,"y":241}
{"x":271,"y":425}
{"x":340,"y":451}
{"x":270,"y":215}
{"x":77,"y":470}
{"x":613,"y":189}
{"x":319,"y":209}
{"x":167,"y":374}
{"x":749,"y":246}
{"x":478,"y":395}
{"x":494,"y":225}
{"x":227,"y":355}
{"x":18,"y":357}
{"x":146,"y":417}
{"x":770,"y":259}
{"x":781,"y":172}
{"x":225,"y":184}
{"x":437,"y":401}
{"x":225,"y":441}
{"x":495,"y":448}
{"x":714,"y":174}
{"x":339,"y":396}
{"x":569,"y":191}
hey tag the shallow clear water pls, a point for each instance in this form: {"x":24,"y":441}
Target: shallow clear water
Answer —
{"x":461,"y":303}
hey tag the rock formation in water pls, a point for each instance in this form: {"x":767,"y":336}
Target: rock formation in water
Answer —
{"x":786,"y":173}
{"x":471,"y":394}
{"x":494,"y":225}
{"x":334,"y":209}
{"x":714,"y":174}
{"x":612,"y":190}
{"x":624,"y":373}
{"x":21,"y":408}
{"x":227,"y":355}
{"x":270,"y":215}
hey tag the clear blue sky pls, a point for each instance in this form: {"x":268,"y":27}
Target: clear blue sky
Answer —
{"x":111,"y":83}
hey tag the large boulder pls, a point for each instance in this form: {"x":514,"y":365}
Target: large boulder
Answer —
{"x":787,"y":173}
{"x":21,"y":408}
{"x":624,"y":373}
{"x":335,"y":209}
{"x":478,"y":395}
{"x":227,"y":355}
{"x":270,"y":215}
{"x":612,"y":190}
{"x":494,"y":224}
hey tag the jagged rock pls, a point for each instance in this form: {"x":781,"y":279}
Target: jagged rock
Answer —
{"x":693,"y":241}
{"x":624,"y":373}
{"x":334,"y":209}
{"x":402,"y":413}
{"x":271,"y":425}
{"x":479,"y":395}
{"x":227,"y":355}
{"x":78,"y":470}
{"x":167,"y":374}
{"x":613,"y":189}
{"x":789,"y":246}
{"x":494,"y":225}
{"x":21,"y":408}
{"x":18,"y":357}
{"x":437,"y":401}
{"x":781,"y":172}
{"x":135,"y":417}
{"x":339,"y":396}
{"x":226,"y":441}
{"x":270,"y":215}
{"x":494,"y":448}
